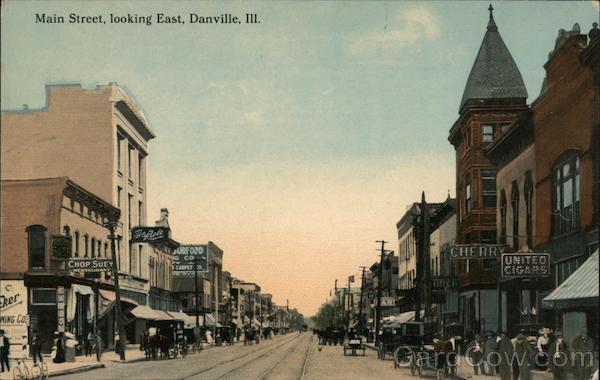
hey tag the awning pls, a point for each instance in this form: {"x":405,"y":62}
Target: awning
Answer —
{"x":106,"y":301}
{"x":144,"y":312}
{"x":189,"y":322}
{"x":210,"y":320}
{"x":579,"y":289}
{"x":402,"y":318}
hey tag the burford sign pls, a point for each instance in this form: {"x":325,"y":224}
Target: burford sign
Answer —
{"x":94,"y":264}
{"x":186,"y":257}
{"x":515,"y":265}
{"x":472,"y":251}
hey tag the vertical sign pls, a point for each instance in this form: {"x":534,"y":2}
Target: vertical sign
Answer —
{"x":60,"y":308}
{"x":14,"y":319}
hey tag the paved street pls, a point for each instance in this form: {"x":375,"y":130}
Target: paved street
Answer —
{"x":293,"y":356}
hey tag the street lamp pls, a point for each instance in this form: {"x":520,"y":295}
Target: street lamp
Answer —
{"x":112,"y":226}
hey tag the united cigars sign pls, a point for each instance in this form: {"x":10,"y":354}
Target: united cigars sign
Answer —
{"x":92,"y":264}
{"x":475,"y":251}
{"x":149,"y":234}
{"x":186,"y":257}
{"x":520,"y":265}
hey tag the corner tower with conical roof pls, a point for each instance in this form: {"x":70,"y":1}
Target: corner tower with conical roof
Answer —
{"x":493,"y":97}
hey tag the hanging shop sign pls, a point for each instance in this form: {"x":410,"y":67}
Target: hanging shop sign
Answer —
{"x":187,"y":257}
{"x":60,"y":308}
{"x":521,"y":265}
{"x":388,"y":301}
{"x":89,"y":264}
{"x":14,"y":319}
{"x":61,"y":246}
{"x":476,"y":251}
{"x":149,"y":234}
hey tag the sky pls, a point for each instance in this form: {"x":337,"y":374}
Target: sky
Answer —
{"x":295,"y":143}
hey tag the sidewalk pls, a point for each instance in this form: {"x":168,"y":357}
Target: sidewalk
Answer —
{"x":465,"y":371}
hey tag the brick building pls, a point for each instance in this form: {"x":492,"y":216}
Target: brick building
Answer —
{"x":493,"y":97}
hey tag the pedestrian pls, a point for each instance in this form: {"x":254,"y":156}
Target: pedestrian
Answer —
{"x":477,"y":356}
{"x":524,"y":353}
{"x":542,"y":345}
{"x":36,"y":347}
{"x":117,"y":342}
{"x":583,"y":355}
{"x":558,"y":357}
{"x":490,"y":354}
{"x":88,"y":344}
{"x":99,"y":347}
{"x":4,"y":351}
{"x":60,"y":349}
{"x":506,"y":351}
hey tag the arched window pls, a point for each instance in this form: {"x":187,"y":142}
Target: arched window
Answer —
{"x":514,"y":202}
{"x":503,"y":210}
{"x":36,"y":239}
{"x":67,"y":231}
{"x":566,"y":193}
{"x":86,"y":240}
{"x":528,"y":191}
{"x":93,"y":247}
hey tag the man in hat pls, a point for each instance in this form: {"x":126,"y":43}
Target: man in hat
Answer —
{"x":477,"y":355}
{"x":506,"y":351}
{"x":558,"y":357}
{"x":490,"y":358}
{"x":583,"y":354}
{"x":4,"y":351}
{"x":524,"y":353}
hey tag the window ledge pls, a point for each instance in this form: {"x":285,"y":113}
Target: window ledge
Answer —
{"x":130,"y":181}
{"x":119,"y":173}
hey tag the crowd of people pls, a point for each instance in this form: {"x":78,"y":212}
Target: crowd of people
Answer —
{"x":513,"y":359}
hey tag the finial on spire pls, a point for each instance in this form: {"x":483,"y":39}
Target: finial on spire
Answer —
{"x":491,"y":24}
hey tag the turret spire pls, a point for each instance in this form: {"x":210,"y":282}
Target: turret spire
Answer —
{"x":492,"y":24}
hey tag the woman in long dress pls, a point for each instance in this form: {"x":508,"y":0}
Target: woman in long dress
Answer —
{"x":60,"y":350}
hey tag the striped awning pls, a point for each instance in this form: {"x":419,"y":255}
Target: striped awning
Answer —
{"x":579,"y":289}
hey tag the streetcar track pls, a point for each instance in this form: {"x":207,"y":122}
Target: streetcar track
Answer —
{"x":303,"y":373}
{"x":290,"y":352}
{"x":263,"y":354}
{"x":235,"y":359}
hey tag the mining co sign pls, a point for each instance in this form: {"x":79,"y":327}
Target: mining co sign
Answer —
{"x":187,"y":257}
{"x":92,"y":264}
{"x":519,"y":265}
{"x":475,"y":251}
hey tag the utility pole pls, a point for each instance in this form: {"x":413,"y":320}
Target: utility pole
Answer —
{"x":112,"y":226}
{"x":426,"y":255}
{"x":348,"y":303}
{"x":196,"y":292}
{"x":335,"y":303}
{"x":379,"y":275}
{"x":360,"y":306}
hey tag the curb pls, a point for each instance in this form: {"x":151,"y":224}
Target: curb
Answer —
{"x":76,"y":370}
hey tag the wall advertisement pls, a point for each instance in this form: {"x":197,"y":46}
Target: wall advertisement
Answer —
{"x":14,"y":318}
